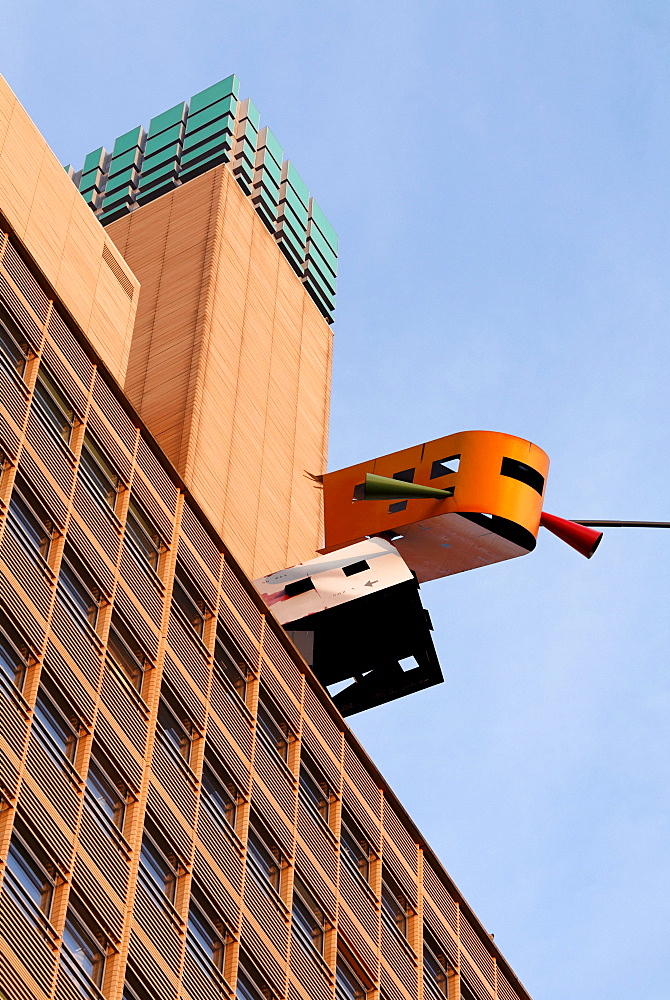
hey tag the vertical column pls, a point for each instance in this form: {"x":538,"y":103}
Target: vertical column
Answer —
{"x":162,"y":152}
{"x":124,"y":173}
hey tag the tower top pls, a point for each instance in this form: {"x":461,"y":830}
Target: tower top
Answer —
{"x":215,"y":127}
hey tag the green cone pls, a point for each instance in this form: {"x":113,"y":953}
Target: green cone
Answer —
{"x":381,"y":488}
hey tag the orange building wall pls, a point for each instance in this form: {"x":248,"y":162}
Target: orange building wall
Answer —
{"x":230,"y":367}
{"x":76,"y":256}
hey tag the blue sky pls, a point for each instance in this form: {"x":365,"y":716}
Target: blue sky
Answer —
{"x":498,"y":175}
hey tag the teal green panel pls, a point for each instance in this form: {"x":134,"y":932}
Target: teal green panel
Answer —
{"x":192,"y":155}
{"x":200,"y":166}
{"x":289,"y":198}
{"x":229,"y":86}
{"x":266,"y":183}
{"x":94,"y":160}
{"x":294,"y":241}
{"x":321,"y":266}
{"x":296,"y":182}
{"x":268,"y":165}
{"x":324,"y":248}
{"x":91,"y":197}
{"x":326,"y":290}
{"x":89,"y":192}
{"x":167,"y":170}
{"x":118,"y":198}
{"x":261,"y":197}
{"x":123,"y":161}
{"x":126,"y":179}
{"x":272,"y":146}
{"x":92,"y":178}
{"x":164,"y":156}
{"x":246,"y":151}
{"x":248,"y":133}
{"x":168,"y":119}
{"x":325,"y":227}
{"x":163,"y":139}
{"x":317,"y":264}
{"x":327,"y":302}
{"x":253,"y":115}
{"x":286,"y":217}
{"x":201,"y":118}
{"x":127,"y":141}
{"x":160,"y":183}
{"x":217,"y":127}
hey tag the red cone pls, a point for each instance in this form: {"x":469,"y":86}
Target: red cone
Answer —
{"x":584,"y":539}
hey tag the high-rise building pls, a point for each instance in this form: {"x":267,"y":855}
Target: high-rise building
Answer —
{"x":184,"y":813}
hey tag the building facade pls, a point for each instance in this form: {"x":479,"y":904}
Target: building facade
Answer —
{"x":184,"y":814}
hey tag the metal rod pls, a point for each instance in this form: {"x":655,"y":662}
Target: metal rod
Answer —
{"x":624,"y":524}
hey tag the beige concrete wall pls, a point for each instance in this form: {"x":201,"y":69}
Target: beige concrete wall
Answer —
{"x":230,"y":367}
{"x":60,"y":232}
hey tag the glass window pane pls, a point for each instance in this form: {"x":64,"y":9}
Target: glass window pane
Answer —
{"x":125,"y":655}
{"x":98,"y":473}
{"x":104,"y":792}
{"x":58,"y":728}
{"x":275,"y":730}
{"x":13,"y":346}
{"x":217,"y":798}
{"x":54,"y":406}
{"x":85,"y":597}
{"x":84,"y":948}
{"x":31,"y":528}
{"x":161,"y":871}
{"x":177,"y":732}
{"x":143,"y":535}
{"x":35,"y":882}
{"x":13,"y":660}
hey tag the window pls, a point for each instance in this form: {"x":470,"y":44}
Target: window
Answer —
{"x":308,"y":919}
{"x":53,"y":406}
{"x":314,"y":790}
{"x":206,"y":936}
{"x":15,"y":657}
{"x":85,"y":949}
{"x":354,"y":848}
{"x":125,"y":655}
{"x":13,"y":345}
{"x":436,"y":968}
{"x":272,"y":727}
{"x":98,"y":473}
{"x":78,"y":590}
{"x":219,"y":797}
{"x":175,"y":727}
{"x":445,"y":466}
{"x":395,"y":907}
{"x":191,"y":604}
{"x":159,"y":866}
{"x":134,"y":987}
{"x":29,"y":522}
{"x":264,"y":857}
{"x":229,"y":662}
{"x":29,"y":877}
{"x":105,"y":791}
{"x":348,"y":984}
{"x":249,"y":984}
{"x":142,"y":537}
{"x":55,"y":723}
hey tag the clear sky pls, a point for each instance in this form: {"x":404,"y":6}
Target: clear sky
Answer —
{"x":498,"y":175}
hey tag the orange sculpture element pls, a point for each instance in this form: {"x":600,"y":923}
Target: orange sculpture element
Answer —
{"x":494,"y":514}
